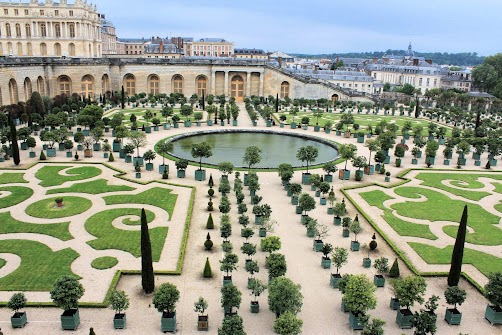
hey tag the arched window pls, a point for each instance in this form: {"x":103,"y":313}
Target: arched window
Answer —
{"x":27,"y":89}
{"x":41,"y":86}
{"x":177,"y":84}
{"x":71,"y":27}
{"x":334,"y":98}
{"x":57,"y":49}
{"x":237,"y":87}
{"x":87,"y":87}
{"x":105,"y":84}
{"x":153,"y":84}
{"x":8,"y":32}
{"x":201,"y":86}
{"x":130,"y":85}
{"x":71,"y":48}
{"x":284,"y":90}
{"x":57,"y":30}
{"x":14,"y":97}
{"x":27,"y":29}
{"x":43,"y":30}
{"x":19,"y":49}
{"x":43,"y":49}
{"x":9,"y":48}
{"x":29,"y":49}
{"x":64,"y":85}
{"x":18,"y":30}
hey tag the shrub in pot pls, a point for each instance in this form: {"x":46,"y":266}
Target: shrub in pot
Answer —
{"x":230,"y":298}
{"x":409,"y":291}
{"x":257,"y":288}
{"x":251,"y":267}
{"x":200,"y":307}
{"x":355,"y":228}
{"x":454,"y":296}
{"x":359,"y":298}
{"x":65,"y":294}
{"x":327,"y":248}
{"x":164,"y":300}
{"x":493,"y":292}
{"x":382,"y":267}
{"x":227,"y":265}
{"x":119,"y":302}
{"x":17,"y":302}
{"x":339,"y":258}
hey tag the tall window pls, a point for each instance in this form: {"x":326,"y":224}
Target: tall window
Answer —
{"x":27,"y":89}
{"x":43,"y":30}
{"x":41,"y":86}
{"x":27,"y":29}
{"x":71,"y":48}
{"x":130,"y":85}
{"x":57,"y":29}
{"x":284,"y":90}
{"x":201,"y":86}
{"x":237,"y":87}
{"x":64,"y":85}
{"x":57,"y":49}
{"x":177,"y":84}
{"x":72,"y":30}
{"x":14,"y":97}
{"x":87,"y":86}
{"x":19,"y":49}
{"x":18,"y":30}
{"x":43,"y":49}
{"x":29,"y":49}
{"x":105,"y":84}
{"x":154,"y":83}
{"x":8,"y":32}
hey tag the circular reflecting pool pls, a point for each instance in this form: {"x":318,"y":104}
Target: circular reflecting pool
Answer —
{"x":230,"y":146}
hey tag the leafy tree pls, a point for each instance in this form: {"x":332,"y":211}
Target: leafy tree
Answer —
{"x":138,"y":140}
{"x":230,"y":297}
{"x":410,"y":290}
{"x":330,"y":167}
{"x":165,"y":298}
{"x":66,"y":292}
{"x":284,"y":296}
{"x":17,"y":302}
{"x":147,"y":275}
{"x":455,"y":295}
{"x":424,"y":323}
{"x":37,"y":104}
{"x":276,"y":264}
{"x":347,"y":151}
{"x":119,"y":301}
{"x":201,"y":150}
{"x":226,"y":168}
{"x":493,"y":290}
{"x":458,"y":252}
{"x":232,"y":325}
{"x":306,"y":203}
{"x":252,"y":156}
{"x":270,"y":244}
{"x":307,"y":154}
{"x":375,"y":327}
{"x":288,"y":324}
{"x":229,"y":263}
{"x":359,"y":295}
{"x":200,"y":306}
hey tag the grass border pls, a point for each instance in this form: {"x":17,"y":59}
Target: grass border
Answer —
{"x":119,"y":273}
{"x":399,"y":252}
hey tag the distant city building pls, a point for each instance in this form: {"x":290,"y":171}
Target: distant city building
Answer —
{"x":108,"y":36}
{"x":50,"y":29}
{"x":460,"y":80}
{"x":208,"y":47}
{"x":130,"y":46}
{"x":162,"y":48}
{"x":281,"y":58}
{"x":250,"y":53}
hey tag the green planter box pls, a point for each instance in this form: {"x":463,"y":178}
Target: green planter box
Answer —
{"x":318,"y":194}
{"x":234,"y":123}
{"x":281,"y":125}
{"x":18,"y":320}
{"x":148,"y":130}
{"x":344,"y":174}
{"x":155,"y":128}
{"x":181,"y":173}
{"x":326,"y":263}
{"x":128,"y":159}
{"x":379,"y":281}
{"x":328,"y":178}
{"x":33,"y":154}
{"x":138,"y":175}
{"x":366,"y":263}
{"x":149,"y":166}
{"x":327,"y":131}
{"x":355,"y":246}
{"x":453,"y":316}
{"x":119,"y":321}
{"x":394,"y":304}
{"x":139,"y":160}
{"x":24,"y":146}
{"x":360,"y":139}
{"x":255,"y":307}
{"x":330,"y":211}
{"x":462,"y":161}
{"x":404,"y":318}
{"x":337,"y":221}
{"x":446,"y":162}
{"x":257,"y":219}
{"x":305,"y":178}
{"x":477,"y":163}
{"x":310,"y":233}
{"x":294,"y":200}
{"x":161,"y":168}
{"x":262,"y":232}
{"x":493,"y":315}
{"x":200,"y":175}
{"x":298,"y":210}
{"x":116,"y":146}
{"x":227,"y":280}
{"x":69,"y":154}
{"x":344,"y":307}
{"x":269,"y":123}
{"x":188,"y":124}
{"x":167,"y":126}
{"x":50,"y":152}
{"x":168,"y":322}
{"x":293,"y":125}
{"x":359,"y":175}
{"x":96,"y":147}
{"x":317,"y":245}
{"x":334,"y":279}
{"x":317,"y":129}
{"x":356,"y":323}
{"x":70,"y":319}
{"x":345,"y":232}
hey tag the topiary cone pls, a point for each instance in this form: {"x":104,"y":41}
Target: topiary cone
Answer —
{"x":208,"y":273}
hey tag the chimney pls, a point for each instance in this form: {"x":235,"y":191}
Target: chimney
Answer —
{"x":375,"y":60}
{"x":415,"y":61}
{"x":429,"y":61}
{"x":153,"y":39}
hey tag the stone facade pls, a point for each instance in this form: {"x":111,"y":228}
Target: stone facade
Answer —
{"x":209,"y":47}
{"x":92,"y":77}
{"x":49,"y":29}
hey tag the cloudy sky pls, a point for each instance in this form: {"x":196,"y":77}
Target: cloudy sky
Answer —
{"x":318,"y":26}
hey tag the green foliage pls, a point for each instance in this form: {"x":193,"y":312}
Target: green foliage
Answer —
{"x":51,"y":175}
{"x":229,"y":263}
{"x":200,"y":305}
{"x":232,"y":325}
{"x":17,"y":301}
{"x":284,"y":296}
{"x":424,"y":323}
{"x":410,"y":290}
{"x":207,"y":273}
{"x":270,"y":244}
{"x":455,"y":295}
{"x":382,"y":265}
{"x":119,"y":301}
{"x":288,"y":324}
{"x":210,"y":222}
{"x":359,"y":295}
{"x":105,"y":262}
{"x":92,"y":187}
{"x":45,"y":209}
{"x":166,"y":297}
{"x":375,"y":327}
{"x":339,"y":257}
{"x":17,"y":195}
{"x":226,"y":168}
{"x":276,"y":264}
{"x":394,"y":270}
{"x":307,"y":154}
{"x":66,"y":292}
{"x":156,"y":196}
{"x":306,"y":202}
{"x":493,"y":290}
{"x":252,"y":156}
{"x":230,"y":297}
{"x":458,"y":251}
{"x":42,"y":156}
{"x":147,"y":275}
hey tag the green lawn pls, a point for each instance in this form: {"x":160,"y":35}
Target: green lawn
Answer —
{"x":159,"y":197}
{"x":50,"y":175}
{"x":40,"y":266}
{"x":17,"y":195}
{"x":9,"y":225}
{"x":47,"y":209}
{"x":499,"y":208}
{"x":403,"y":228}
{"x":108,"y":237}
{"x":467,"y":181}
{"x":12,"y":178}
{"x":92,"y":187}
{"x":103,"y":263}
{"x":485,"y":263}
{"x":2,"y":263}
{"x":434,"y":210}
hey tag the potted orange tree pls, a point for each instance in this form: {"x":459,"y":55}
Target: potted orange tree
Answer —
{"x":17,"y":302}
{"x":164,"y":300}
{"x":202,"y":320}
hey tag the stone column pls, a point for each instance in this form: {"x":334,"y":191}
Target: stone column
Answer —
{"x":248,"y":84}
{"x":226,"y":84}
{"x":262,"y":88}
{"x":213,"y":82}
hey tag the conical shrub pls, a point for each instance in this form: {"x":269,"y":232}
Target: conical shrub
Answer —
{"x":208,"y":273}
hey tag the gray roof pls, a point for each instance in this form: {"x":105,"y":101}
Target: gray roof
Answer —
{"x":481,"y":95}
{"x":249,"y":51}
{"x":212,"y":40}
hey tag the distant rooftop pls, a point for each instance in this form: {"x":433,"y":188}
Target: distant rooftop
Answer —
{"x":212,"y":40}
{"x":245,"y":51}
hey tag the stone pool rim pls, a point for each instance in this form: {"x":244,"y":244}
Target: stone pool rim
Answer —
{"x":329,"y":143}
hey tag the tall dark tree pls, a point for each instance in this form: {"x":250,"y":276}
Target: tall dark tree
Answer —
{"x":458,"y":252}
{"x":122,"y":98}
{"x":147,"y":277}
{"x":14,"y":144}
{"x":37,"y":104}
{"x":277,"y":103}
{"x":203,"y":101}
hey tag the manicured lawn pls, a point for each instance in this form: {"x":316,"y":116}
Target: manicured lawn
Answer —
{"x":103,"y":263}
{"x":499,"y":208}
{"x":92,"y":187}
{"x":40,"y":266}
{"x":12,"y":178}
{"x":485,"y":263}
{"x":47,"y":209}
{"x":485,"y":233}
{"x":17,"y":195}
{"x":2,"y":263}
{"x":50,"y":175}
{"x":108,"y":237}
{"x":159,"y":197}
{"x":9,"y":225}
{"x":467,"y":181}
{"x":403,"y":228}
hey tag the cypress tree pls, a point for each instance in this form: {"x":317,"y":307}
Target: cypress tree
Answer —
{"x":277,"y":103}
{"x":203,"y":102}
{"x":37,"y":104}
{"x":394,"y":270}
{"x":147,"y":278}
{"x":210,"y":222}
{"x":458,"y":252}
{"x":123,"y":97}
{"x":14,"y":144}
{"x":208,"y":273}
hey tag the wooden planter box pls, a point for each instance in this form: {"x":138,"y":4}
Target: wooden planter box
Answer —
{"x":203,"y":323}
{"x":404,"y":318}
{"x":369,"y":170}
{"x":18,"y":320}
{"x":70,"y":319}
{"x":453,"y":316}
{"x":119,"y":321}
{"x":344,"y":174}
{"x":168,"y":322}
